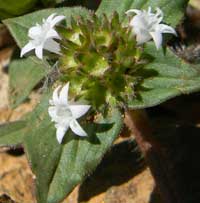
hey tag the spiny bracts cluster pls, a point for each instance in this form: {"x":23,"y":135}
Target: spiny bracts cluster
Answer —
{"x":101,"y":60}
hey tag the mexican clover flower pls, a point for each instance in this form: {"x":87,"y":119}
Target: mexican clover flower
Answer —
{"x":65,"y":114}
{"x":147,"y":25}
{"x":41,"y":37}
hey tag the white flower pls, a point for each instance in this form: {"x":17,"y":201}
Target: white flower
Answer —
{"x":41,"y":37}
{"x":65,"y":114}
{"x":147,"y":25}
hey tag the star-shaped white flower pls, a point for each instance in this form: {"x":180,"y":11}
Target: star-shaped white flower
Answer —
{"x":64,"y":114}
{"x":147,"y":25}
{"x":41,"y":37}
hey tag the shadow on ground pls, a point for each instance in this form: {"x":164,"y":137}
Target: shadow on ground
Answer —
{"x":123,"y":162}
{"x":177,"y":128}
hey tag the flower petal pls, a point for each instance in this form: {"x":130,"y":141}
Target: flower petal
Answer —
{"x":159,"y":14}
{"x":142,"y":37}
{"x":50,"y":18}
{"x":55,"y":95}
{"x":77,"y":129}
{"x":39,"y":51}
{"x":79,"y":110}
{"x":157,"y":37}
{"x":139,"y":22}
{"x":52,"y":34}
{"x":35,"y":31}
{"x":28,"y":47}
{"x":64,"y":94}
{"x":149,"y":10}
{"x":60,"y":132}
{"x":56,"y":20}
{"x":52,"y":46}
{"x":166,"y":29}
{"x":52,"y":112}
{"x":138,"y":12}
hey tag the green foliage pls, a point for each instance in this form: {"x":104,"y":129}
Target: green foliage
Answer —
{"x":25,"y":74}
{"x":81,"y":155}
{"x":10,"y":8}
{"x":42,"y":148}
{"x":60,"y":167}
{"x":173,"y":10}
{"x":170,"y":77}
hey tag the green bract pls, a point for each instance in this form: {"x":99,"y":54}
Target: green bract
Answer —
{"x":101,"y":60}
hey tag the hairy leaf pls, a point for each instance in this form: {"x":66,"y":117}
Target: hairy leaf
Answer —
{"x":169,"y":77}
{"x":60,"y":167}
{"x":24,"y":76}
{"x":173,"y":10}
{"x":80,"y":156}
{"x":42,"y":148}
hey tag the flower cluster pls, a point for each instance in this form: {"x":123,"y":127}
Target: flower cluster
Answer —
{"x":147,"y":25}
{"x":42,"y":37}
{"x":144,"y":25}
{"x":64,"y":113}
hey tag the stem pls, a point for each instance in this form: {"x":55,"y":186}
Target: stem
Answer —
{"x":156,"y":156}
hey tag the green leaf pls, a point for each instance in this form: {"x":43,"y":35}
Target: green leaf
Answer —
{"x":27,"y":73}
{"x":12,"y":134}
{"x":80,"y":156}
{"x":169,"y":77}
{"x":60,"y":167}
{"x":173,"y":10}
{"x":42,"y":148}
{"x":10,"y":8}
{"x":24,"y":76}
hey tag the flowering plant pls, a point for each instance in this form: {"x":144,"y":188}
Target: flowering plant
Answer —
{"x":95,"y":69}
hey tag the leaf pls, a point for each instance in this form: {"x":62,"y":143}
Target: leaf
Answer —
{"x":12,"y":134}
{"x":42,"y":148}
{"x":24,"y":76}
{"x":170,"y":77}
{"x":173,"y":10}
{"x":81,"y":156}
{"x":60,"y":167}
{"x":10,"y":8}
{"x":27,"y":73}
